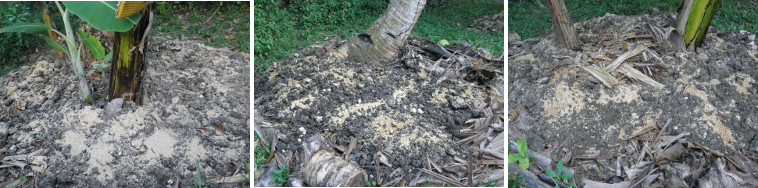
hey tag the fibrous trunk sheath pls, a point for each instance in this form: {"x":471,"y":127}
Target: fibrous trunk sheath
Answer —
{"x":129,"y":63}
{"x":381,"y":41}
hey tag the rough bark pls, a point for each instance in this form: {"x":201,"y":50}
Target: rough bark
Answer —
{"x":381,"y":41}
{"x":129,"y":63}
{"x":563,"y":26}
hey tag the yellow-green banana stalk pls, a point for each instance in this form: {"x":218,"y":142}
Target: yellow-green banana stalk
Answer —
{"x":129,"y":65}
{"x":698,"y":20}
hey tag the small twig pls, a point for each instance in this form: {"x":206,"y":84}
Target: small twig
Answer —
{"x":214,"y":12}
{"x":662,"y":130}
{"x":640,"y":133}
{"x":593,"y":157}
{"x":374,"y":166}
{"x":443,"y":177}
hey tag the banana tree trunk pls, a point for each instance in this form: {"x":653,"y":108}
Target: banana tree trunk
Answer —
{"x":49,"y":22}
{"x":694,"y":19}
{"x":129,"y":62}
{"x":381,"y":41}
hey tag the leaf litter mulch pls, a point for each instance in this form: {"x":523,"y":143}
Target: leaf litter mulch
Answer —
{"x":194,"y":121}
{"x":631,"y":110}
{"x":426,"y":117}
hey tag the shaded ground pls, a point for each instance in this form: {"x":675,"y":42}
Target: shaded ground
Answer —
{"x":708,"y":94}
{"x":415,"y":111}
{"x":191,"y":90}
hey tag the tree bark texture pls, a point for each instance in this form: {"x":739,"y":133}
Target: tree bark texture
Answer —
{"x":129,"y":62}
{"x":563,"y":26}
{"x":381,"y":41}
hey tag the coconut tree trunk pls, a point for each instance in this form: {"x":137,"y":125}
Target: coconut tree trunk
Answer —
{"x":694,"y":19}
{"x":381,"y":41}
{"x":563,"y":25}
{"x":129,"y":62}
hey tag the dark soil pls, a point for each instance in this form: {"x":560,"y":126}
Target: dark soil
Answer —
{"x":709,"y":93}
{"x":189,"y":89}
{"x":383,"y":106}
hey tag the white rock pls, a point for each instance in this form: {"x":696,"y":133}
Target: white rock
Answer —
{"x":113,"y":107}
{"x":175,"y":100}
{"x":420,"y":111}
{"x":302,"y":130}
{"x":413,"y":110}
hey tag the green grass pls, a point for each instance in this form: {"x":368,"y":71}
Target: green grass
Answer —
{"x":528,"y":19}
{"x":229,"y":27}
{"x":260,"y":154}
{"x":442,"y":23}
{"x":281,"y":30}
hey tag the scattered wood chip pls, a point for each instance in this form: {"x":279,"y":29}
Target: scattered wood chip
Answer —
{"x":379,"y":156}
{"x":637,"y":75}
{"x":623,"y":57}
{"x":350,"y":147}
{"x":21,"y":105}
{"x":606,"y":78}
{"x":219,"y":128}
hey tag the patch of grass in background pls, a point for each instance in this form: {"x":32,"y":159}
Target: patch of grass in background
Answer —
{"x":13,"y":46}
{"x":528,"y":19}
{"x":284,"y":27}
{"x":442,"y":23}
{"x":229,"y":27}
{"x":736,"y":15}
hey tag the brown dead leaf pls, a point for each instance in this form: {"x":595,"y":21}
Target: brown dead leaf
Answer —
{"x":231,"y":164}
{"x":219,"y":128}
{"x":229,"y":37}
{"x":97,"y":76}
{"x":341,"y":148}
{"x":38,"y":142}
{"x":208,"y":59}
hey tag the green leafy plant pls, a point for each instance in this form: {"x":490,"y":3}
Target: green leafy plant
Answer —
{"x":371,"y":184}
{"x":281,"y":176}
{"x":13,"y":46}
{"x":99,"y":15}
{"x":515,"y":180}
{"x":261,"y":152}
{"x":522,"y":157}
{"x":560,"y":176}
{"x":246,"y":175}
{"x":492,"y":183}
{"x":199,"y":182}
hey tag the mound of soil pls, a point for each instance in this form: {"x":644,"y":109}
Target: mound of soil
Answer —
{"x":492,"y":23}
{"x":196,"y":113}
{"x":708,"y":94}
{"x":401,"y":111}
